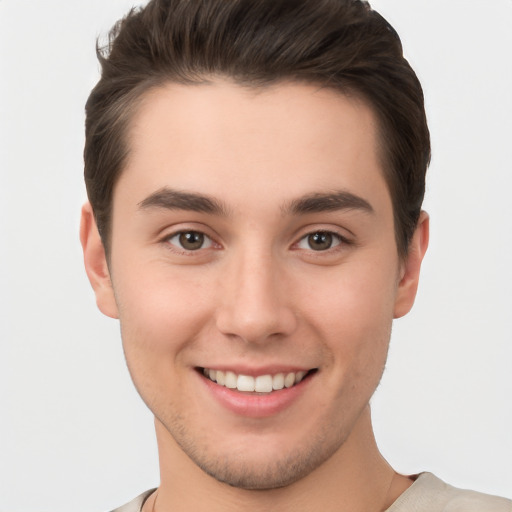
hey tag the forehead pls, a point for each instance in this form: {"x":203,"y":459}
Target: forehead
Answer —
{"x":232,"y":142}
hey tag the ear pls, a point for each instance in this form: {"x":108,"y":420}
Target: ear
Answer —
{"x":410,"y":271}
{"x":96,"y":263}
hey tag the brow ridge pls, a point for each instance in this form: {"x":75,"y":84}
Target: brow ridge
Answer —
{"x":171,"y":199}
{"x":331,"y":201}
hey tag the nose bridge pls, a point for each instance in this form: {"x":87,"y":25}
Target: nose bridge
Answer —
{"x":254,"y":306}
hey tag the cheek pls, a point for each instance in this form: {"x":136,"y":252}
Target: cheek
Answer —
{"x":357,"y":298}
{"x":162,"y":314}
{"x":161,"y":310}
{"x":352,"y":311}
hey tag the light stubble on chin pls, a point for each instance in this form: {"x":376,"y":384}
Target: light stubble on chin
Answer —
{"x":241,"y":471}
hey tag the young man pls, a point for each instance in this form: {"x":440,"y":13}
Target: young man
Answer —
{"x":255,"y":171}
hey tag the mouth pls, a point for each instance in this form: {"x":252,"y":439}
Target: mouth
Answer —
{"x":260,"y":384}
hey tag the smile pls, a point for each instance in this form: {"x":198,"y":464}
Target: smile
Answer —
{"x":259,"y":384}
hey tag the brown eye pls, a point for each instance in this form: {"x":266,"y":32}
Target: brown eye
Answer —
{"x":320,"y":241}
{"x":190,"y":240}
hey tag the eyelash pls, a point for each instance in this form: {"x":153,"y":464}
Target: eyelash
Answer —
{"x":178,"y":246}
{"x":338,"y":240}
{"x":335,"y":238}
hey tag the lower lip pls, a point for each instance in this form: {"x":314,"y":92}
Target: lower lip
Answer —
{"x":256,"y":405}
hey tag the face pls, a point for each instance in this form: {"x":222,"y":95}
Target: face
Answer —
{"x":255,"y":273}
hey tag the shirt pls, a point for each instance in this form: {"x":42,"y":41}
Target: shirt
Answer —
{"x":427,"y":494}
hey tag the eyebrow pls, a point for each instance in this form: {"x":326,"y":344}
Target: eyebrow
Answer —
{"x":325,"y":202}
{"x":170,"y":199}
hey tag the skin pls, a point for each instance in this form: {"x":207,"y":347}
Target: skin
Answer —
{"x":257,"y":295}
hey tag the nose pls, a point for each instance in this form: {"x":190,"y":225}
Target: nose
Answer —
{"x":255,"y":304}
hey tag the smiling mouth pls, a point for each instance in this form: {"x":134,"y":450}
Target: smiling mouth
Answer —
{"x":259,"y":384}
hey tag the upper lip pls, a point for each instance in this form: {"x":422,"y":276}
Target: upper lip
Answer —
{"x":261,"y":370}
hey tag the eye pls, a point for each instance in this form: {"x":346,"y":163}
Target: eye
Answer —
{"x":320,"y":241}
{"x":190,"y":240}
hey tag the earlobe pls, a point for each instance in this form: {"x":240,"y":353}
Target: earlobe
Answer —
{"x":96,"y":263}
{"x":410,"y":275}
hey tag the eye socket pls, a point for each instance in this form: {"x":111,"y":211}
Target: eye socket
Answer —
{"x":190,"y":240}
{"x":320,"y":241}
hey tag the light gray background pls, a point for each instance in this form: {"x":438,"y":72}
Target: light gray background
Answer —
{"x":73,"y":433}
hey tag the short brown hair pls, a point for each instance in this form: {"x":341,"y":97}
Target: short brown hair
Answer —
{"x":341,"y":44}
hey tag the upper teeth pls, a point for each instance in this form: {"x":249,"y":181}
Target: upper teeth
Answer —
{"x":260,"y":384}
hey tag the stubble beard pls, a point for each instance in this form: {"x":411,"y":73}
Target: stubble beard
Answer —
{"x":248,"y":471}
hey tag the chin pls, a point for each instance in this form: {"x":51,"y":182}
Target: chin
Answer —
{"x":258,"y":476}
{"x":252,"y":467}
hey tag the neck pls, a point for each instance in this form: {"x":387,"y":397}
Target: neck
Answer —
{"x":356,"y":478}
